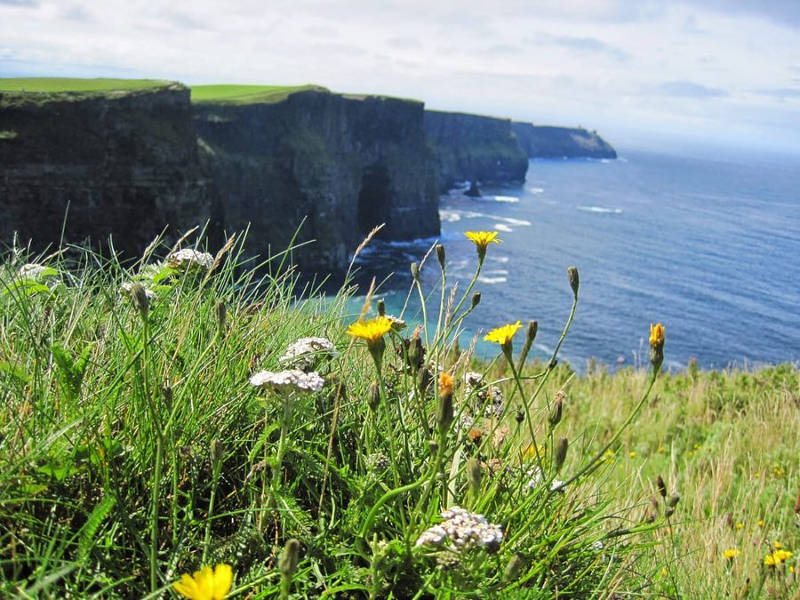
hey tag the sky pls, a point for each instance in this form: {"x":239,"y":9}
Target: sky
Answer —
{"x":640,"y":72}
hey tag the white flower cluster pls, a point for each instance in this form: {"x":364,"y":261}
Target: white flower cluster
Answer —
{"x":34,"y":271}
{"x":125,"y":290}
{"x":535,"y":479}
{"x":398,"y":324}
{"x":306,"y":352}
{"x":188,"y":258}
{"x":288,"y":380}
{"x":489,"y":396}
{"x":464,"y":530}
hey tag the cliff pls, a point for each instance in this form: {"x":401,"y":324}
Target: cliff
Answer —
{"x":474,"y":147}
{"x":344,"y":163}
{"x":122,"y":163}
{"x":556,"y":142}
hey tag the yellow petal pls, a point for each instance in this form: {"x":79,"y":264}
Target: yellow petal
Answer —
{"x":187,"y":587}
{"x":223,"y":576}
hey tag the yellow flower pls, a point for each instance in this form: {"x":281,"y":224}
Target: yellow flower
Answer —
{"x":206,"y":584}
{"x":502,"y":335}
{"x":657,"y":335}
{"x":777,"y":545}
{"x":777,"y":558}
{"x":371,"y":331}
{"x":632,"y":454}
{"x":482,"y":238}
{"x":731,"y":553}
{"x":445,"y":384}
{"x":761,"y":522}
{"x":739,"y":525}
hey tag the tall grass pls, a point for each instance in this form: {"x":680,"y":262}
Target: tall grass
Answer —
{"x":135,"y":448}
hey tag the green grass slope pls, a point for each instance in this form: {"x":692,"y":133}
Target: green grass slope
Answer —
{"x":66,"y":84}
{"x":246,"y":94}
{"x":136,"y":445}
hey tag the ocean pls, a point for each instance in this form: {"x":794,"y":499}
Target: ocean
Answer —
{"x":708,"y":246}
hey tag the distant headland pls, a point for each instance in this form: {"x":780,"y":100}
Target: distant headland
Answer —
{"x":130,"y":157}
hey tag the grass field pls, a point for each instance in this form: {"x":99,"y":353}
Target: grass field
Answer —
{"x":245,"y":94}
{"x":141,"y":439}
{"x":65,"y":84}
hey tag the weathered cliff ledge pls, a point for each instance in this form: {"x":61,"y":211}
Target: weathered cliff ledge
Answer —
{"x":475,"y":148}
{"x":342,"y":163}
{"x":555,"y":142}
{"x":122,"y":163}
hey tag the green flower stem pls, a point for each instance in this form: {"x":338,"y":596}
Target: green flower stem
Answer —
{"x":525,"y":403}
{"x":450,"y":325}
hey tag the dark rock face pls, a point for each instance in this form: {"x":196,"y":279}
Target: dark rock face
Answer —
{"x":556,"y":142}
{"x":475,"y":148}
{"x":124,"y":164}
{"x":344,"y":164}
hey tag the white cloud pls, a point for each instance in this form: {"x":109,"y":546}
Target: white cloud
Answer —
{"x":612,"y":65}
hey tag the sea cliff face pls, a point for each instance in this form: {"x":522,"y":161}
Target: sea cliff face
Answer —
{"x":124,"y":164}
{"x":342,"y":163}
{"x":475,"y":148}
{"x":555,"y":142}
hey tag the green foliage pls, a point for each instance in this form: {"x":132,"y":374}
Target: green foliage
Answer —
{"x":246,"y":94}
{"x":70,"y":84}
{"x":133,"y":447}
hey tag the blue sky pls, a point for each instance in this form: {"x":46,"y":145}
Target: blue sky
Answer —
{"x":685,"y":71}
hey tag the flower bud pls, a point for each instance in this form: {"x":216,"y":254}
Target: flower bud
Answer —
{"x":474,"y":473}
{"x":140,"y":300}
{"x":381,"y":307}
{"x":555,"y":414}
{"x":374,"y":397}
{"x":673,"y":500}
{"x":513,"y":568}
{"x":476,"y":299}
{"x":440,"y":255}
{"x":215,"y":451}
{"x":520,"y":417}
{"x":444,"y":414}
{"x":560,"y":453}
{"x":574,"y":280}
{"x":287,"y":563}
{"x":415,"y":271}
{"x":662,"y":487}
{"x":657,"y":334}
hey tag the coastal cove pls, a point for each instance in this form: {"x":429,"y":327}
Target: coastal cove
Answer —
{"x":708,"y":246}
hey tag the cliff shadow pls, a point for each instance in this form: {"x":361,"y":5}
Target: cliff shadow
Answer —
{"x":373,"y":198}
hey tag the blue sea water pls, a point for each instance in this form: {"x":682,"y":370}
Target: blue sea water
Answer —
{"x":709,"y":246}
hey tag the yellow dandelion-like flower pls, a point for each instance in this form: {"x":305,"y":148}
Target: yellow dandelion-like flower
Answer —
{"x":502,"y":335}
{"x":739,"y":525}
{"x":632,"y":454}
{"x":657,"y":335}
{"x":371,"y":331}
{"x":761,"y":522}
{"x":777,"y":545}
{"x":206,"y":584}
{"x":777,"y":558}
{"x":445,"y":384}
{"x":482,"y":239}
{"x":731,"y":553}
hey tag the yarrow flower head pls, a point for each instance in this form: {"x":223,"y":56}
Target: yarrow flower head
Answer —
{"x":206,"y":584}
{"x":462,"y":530}
{"x":307,"y":352}
{"x":125,"y":290}
{"x":502,"y":335}
{"x":189,"y":259}
{"x":482,"y":239}
{"x":291,"y":380}
{"x":35,"y":271}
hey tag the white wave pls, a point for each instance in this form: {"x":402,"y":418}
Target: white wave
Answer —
{"x":492,"y":280}
{"x":500,"y":259}
{"x":468,"y":214}
{"x":503,"y":227}
{"x":605,"y":161}
{"x":510,"y":199}
{"x":535,"y":190}
{"x":622,"y":159}
{"x":600,"y":209}
{"x":449,"y":216}
{"x":543,"y":348}
{"x":496,"y":272}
